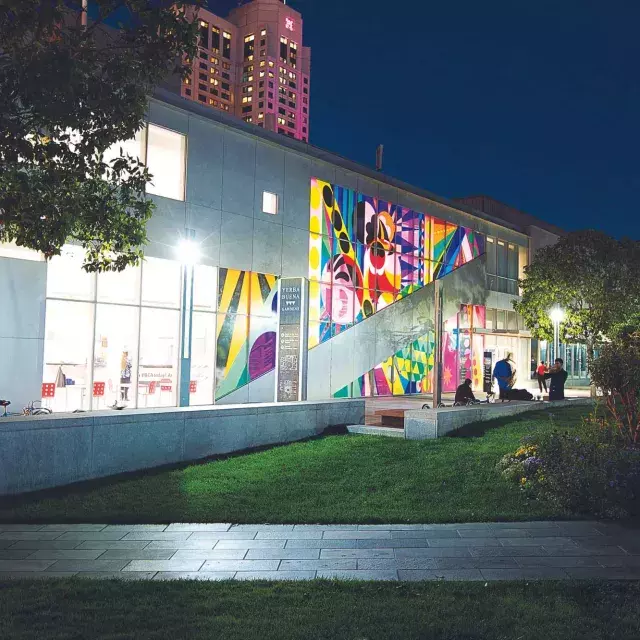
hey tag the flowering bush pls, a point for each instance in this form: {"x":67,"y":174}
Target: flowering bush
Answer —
{"x":590,"y":470}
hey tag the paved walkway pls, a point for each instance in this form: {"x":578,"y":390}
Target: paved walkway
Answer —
{"x":495,"y":551}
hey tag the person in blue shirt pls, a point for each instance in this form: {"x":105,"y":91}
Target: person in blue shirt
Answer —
{"x":504,"y":373}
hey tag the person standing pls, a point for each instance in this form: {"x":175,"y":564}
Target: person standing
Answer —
{"x":542,"y":371}
{"x":504,"y":373}
{"x":557,"y":376}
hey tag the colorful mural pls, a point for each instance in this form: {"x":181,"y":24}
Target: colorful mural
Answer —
{"x":366,"y":253}
{"x":246,"y":328}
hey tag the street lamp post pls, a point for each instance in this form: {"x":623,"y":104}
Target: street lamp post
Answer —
{"x":188,"y":252}
{"x":557,"y":316}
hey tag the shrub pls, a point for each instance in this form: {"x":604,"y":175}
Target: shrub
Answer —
{"x":617,"y":372}
{"x":590,"y":470}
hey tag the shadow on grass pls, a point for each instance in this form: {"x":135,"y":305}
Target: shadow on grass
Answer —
{"x":81,"y":488}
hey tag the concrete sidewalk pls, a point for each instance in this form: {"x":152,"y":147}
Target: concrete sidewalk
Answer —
{"x":475,"y":551}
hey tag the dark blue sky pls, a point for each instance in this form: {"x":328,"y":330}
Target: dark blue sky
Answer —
{"x":534,"y":103}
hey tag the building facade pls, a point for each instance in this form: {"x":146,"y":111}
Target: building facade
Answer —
{"x":262,"y":207}
{"x":253,"y":65}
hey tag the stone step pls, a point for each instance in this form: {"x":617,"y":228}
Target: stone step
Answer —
{"x":364,"y":429}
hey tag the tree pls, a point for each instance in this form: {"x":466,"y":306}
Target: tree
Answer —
{"x":68,"y":92}
{"x":593,"y":277}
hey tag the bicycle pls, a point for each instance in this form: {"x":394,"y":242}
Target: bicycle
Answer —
{"x":34,"y":408}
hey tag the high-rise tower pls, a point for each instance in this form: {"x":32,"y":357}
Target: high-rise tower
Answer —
{"x":253,"y":64}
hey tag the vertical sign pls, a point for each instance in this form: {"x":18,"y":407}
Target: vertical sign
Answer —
{"x":291,"y":343}
{"x":487,"y":365}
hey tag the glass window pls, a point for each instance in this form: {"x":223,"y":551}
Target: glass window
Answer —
{"x":67,"y":279}
{"x":122,"y":286}
{"x":161,"y":284}
{"x":512,"y":321}
{"x":205,"y":286}
{"x":134,"y":147}
{"x":491,"y":256}
{"x":159,"y":350}
{"x":166,"y":162}
{"x":501,"y":252}
{"x":203,"y":340}
{"x":512,"y":267}
{"x":490,"y":319}
{"x":67,"y":354}
{"x":500,"y":320}
{"x":269,"y":203}
{"x":115,"y":356}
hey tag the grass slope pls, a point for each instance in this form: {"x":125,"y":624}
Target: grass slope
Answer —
{"x":322,"y":610}
{"x":337,"y":479}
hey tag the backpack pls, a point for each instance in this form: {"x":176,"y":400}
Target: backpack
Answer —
{"x":520,"y":394}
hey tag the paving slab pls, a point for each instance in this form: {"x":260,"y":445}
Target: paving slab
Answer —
{"x":296,"y":534}
{"x":163,"y":565}
{"x":34,"y":545}
{"x":15,"y":554}
{"x":36,"y":575}
{"x":316,"y":565}
{"x":220,"y":551}
{"x":181,"y":536}
{"x":27,"y":565}
{"x":283,"y":554}
{"x":72,"y":527}
{"x":138,"y":554}
{"x":65,"y":554}
{"x":332,"y":554}
{"x":199,"y":526}
{"x":107,"y":545}
{"x":82,"y":536}
{"x":175,"y":544}
{"x":210,"y":554}
{"x":252,"y":544}
{"x":241,"y":565}
{"x":31,"y":535}
{"x":376,"y":564}
{"x":88,"y":565}
{"x":323,"y":544}
{"x":558,"y":561}
{"x":358,"y":535}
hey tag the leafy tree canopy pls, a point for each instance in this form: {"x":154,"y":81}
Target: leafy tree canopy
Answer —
{"x":68,"y":92}
{"x":593,"y":277}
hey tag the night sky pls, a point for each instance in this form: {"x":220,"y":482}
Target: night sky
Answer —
{"x":536,"y":104}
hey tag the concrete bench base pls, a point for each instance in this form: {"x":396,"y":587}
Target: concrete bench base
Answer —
{"x":435,"y":423}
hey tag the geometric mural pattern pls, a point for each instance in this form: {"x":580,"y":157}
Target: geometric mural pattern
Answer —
{"x":365,"y":254}
{"x":246,"y":328}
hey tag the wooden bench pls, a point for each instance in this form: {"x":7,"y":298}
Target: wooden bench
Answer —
{"x":391,"y":418}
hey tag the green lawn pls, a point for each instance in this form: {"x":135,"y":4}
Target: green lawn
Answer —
{"x":279,"y":611}
{"x":336,"y":479}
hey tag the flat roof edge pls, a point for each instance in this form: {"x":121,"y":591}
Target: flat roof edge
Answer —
{"x":169,"y":97}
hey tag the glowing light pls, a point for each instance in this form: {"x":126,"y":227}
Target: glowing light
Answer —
{"x":188,"y":251}
{"x":557,"y":315}
{"x":288,"y":24}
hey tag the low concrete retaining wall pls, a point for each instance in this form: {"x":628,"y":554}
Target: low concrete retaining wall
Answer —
{"x":41,"y":452}
{"x":435,"y":423}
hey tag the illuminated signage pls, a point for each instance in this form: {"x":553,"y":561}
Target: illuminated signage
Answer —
{"x":288,"y":24}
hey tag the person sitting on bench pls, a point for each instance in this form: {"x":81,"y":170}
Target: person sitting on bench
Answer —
{"x":464,"y":394}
